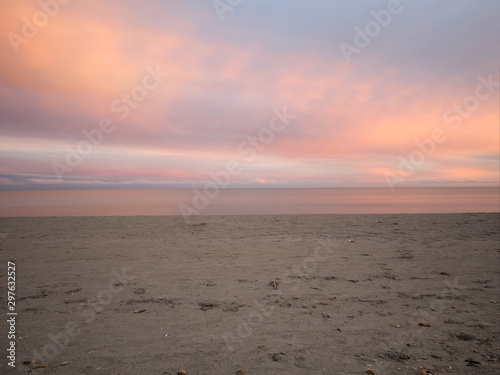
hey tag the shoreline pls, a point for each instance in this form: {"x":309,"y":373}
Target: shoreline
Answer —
{"x":200,"y":216}
{"x":195,"y":202}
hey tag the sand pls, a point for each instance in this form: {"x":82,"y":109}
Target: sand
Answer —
{"x":284,"y":294}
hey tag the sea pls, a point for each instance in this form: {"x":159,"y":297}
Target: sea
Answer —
{"x":189,"y":202}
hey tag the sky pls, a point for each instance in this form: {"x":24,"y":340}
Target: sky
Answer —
{"x":251,"y":93}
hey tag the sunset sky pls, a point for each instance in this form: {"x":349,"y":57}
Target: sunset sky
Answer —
{"x":169,"y":92}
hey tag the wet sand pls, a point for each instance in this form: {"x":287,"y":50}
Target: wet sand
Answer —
{"x":276,"y":294}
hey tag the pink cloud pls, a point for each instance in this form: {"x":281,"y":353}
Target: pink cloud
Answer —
{"x":349,"y":126}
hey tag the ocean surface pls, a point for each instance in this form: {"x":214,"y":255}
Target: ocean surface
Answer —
{"x":247,"y":201}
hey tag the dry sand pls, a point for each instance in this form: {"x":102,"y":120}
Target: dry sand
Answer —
{"x":154,"y":295}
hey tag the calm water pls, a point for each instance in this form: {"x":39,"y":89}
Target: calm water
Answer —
{"x":248,"y":201}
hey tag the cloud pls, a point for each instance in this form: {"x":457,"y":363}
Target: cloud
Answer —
{"x":352,"y":121}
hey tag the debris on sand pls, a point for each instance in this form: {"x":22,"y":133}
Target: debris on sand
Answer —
{"x":471,"y":362}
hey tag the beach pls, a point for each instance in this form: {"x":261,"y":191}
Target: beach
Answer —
{"x":258,"y":294}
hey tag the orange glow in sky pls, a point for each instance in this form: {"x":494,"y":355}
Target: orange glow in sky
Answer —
{"x":164,"y":93}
